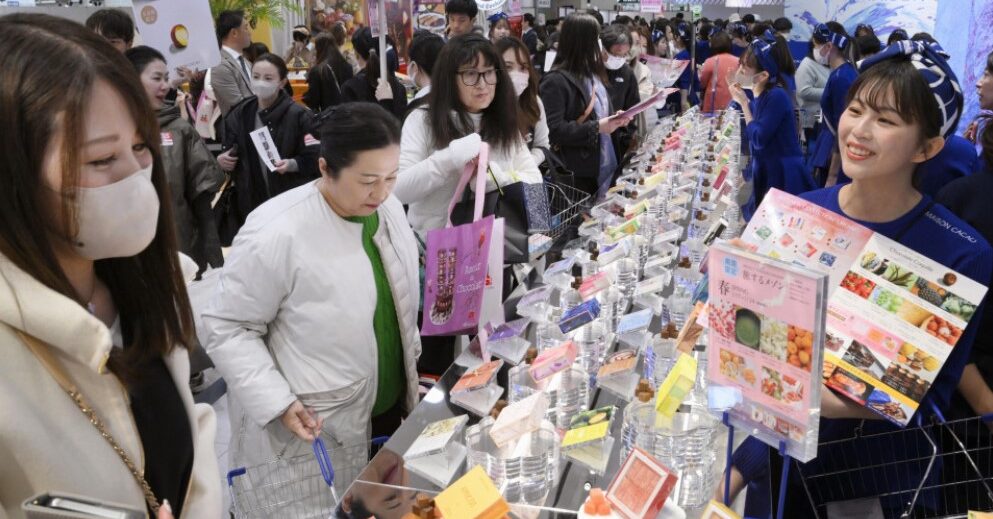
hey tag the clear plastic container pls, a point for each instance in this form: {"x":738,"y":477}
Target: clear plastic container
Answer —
{"x":686,"y":444}
{"x":592,"y":343}
{"x":659,"y":360}
{"x":568,"y":392}
{"x":525,"y":470}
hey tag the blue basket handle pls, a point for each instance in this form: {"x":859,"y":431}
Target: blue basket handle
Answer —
{"x":380,"y":440}
{"x":235,"y":473}
{"x":321,"y":453}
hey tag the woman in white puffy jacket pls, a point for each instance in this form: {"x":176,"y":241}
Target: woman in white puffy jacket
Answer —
{"x":314,"y":321}
{"x":472,"y":100}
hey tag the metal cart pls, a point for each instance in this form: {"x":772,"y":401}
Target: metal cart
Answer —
{"x":299,"y":487}
{"x":566,"y":205}
{"x":944,"y":470}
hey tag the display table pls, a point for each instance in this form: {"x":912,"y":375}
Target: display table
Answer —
{"x":387,"y":486}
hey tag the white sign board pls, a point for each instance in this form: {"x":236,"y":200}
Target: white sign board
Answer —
{"x":182,"y":30}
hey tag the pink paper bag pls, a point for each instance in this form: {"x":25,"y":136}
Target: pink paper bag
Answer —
{"x":456,"y":264}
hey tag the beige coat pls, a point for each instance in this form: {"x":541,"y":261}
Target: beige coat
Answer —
{"x":46,"y":444}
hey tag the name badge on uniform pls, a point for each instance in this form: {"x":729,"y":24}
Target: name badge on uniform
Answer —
{"x":309,"y":140}
{"x":167,"y":138}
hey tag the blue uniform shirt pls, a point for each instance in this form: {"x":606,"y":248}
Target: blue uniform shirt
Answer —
{"x":957,"y":159}
{"x":688,"y":79}
{"x":832,"y":106}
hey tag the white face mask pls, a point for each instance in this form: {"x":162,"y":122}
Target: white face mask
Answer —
{"x":821,"y":57}
{"x":264,"y":89}
{"x":520,"y":81}
{"x":672,"y":49}
{"x":746,"y":82}
{"x":615,"y":62}
{"x":117,"y":220}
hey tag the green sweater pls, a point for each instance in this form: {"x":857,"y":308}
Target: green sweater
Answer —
{"x":384,"y":322}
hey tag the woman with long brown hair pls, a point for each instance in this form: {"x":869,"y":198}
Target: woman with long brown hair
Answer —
{"x":91,"y":297}
{"x":530,"y":112}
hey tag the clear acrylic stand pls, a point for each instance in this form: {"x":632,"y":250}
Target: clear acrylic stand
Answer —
{"x":479,"y":401}
{"x":511,"y":350}
{"x":594,"y":455}
{"x":438,"y":456}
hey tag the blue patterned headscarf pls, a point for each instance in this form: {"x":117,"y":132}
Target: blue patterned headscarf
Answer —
{"x":763,"y":53}
{"x":935,"y":70}
{"x":825,"y":34}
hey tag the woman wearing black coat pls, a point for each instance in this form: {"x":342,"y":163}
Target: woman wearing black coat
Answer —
{"x":291,"y":127}
{"x":325,"y":79}
{"x":367,"y":85}
{"x":578,"y":107}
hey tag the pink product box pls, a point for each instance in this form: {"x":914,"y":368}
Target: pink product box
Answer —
{"x":554,"y":360}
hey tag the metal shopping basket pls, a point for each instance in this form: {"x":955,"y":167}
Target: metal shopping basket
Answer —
{"x":944,"y":470}
{"x":566,"y":205}
{"x":299,"y":487}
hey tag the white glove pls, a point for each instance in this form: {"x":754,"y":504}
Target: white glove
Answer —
{"x":463,"y":150}
{"x":383,"y":90}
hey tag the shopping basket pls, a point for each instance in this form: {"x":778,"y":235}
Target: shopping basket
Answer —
{"x":944,"y":470}
{"x":566,"y":205}
{"x":299,"y":487}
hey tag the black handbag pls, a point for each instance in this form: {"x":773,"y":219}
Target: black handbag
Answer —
{"x":226,"y":214}
{"x":524,"y":208}
{"x":555,"y":171}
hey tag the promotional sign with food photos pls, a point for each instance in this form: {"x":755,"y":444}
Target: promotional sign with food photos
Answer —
{"x":182,"y":30}
{"x":894,"y":324}
{"x":767,"y":321}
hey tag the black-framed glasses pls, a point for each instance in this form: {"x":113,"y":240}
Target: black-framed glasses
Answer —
{"x":471,"y":77}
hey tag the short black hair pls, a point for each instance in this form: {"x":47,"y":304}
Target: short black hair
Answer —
{"x":622,"y":20}
{"x":615,"y":34}
{"x":228,"y":21}
{"x":276,"y":61}
{"x":748,"y":18}
{"x":868,"y":44}
{"x":679,"y":16}
{"x":141,"y":56}
{"x":782,"y":24}
{"x":923,"y":37}
{"x":424,"y":49}
{"x":595,"y":13}
{"x":301,"y":33}
{"x":466,"y":7}
{"x":528,"y":17}
{"x":112,"y":24}
{"x":351,"y":128}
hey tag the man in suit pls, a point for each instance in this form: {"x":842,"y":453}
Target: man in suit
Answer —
{"x":528,"y":35}
{"x":231,"y":80}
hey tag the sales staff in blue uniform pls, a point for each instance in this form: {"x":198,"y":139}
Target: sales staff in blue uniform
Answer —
{"x":833,"y":49}
{"x":903,"y":106}
{"x":738,"y":32}
{"x":770,"y":126}
{"x":688,"y":83}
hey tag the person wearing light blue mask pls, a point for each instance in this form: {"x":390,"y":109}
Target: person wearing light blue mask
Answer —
{"x":770,"y":127}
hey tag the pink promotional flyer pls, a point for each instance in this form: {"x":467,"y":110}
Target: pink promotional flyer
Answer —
{"x":766,"y":322}
{"x":894,"y":324}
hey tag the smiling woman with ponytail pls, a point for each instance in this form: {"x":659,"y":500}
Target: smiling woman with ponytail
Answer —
{"x":367,"y":85}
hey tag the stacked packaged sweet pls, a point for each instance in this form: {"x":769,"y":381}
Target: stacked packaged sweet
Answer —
{"x":613,"y":317}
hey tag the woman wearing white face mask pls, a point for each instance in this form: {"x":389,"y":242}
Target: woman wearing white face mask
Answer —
{"x":770,"y":128}
{"x":642,"y":44}
{"x":622,"y":84}
{"x":91,"y":298}
{"x":290,"y":125}
{"x":832,"y":48}
{"x":530,"y":111}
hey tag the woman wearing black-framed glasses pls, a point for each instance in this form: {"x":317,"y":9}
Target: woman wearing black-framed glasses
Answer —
{"x":472,"y":100}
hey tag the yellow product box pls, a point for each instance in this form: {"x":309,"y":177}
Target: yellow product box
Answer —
{"x":676,"y":386}
{"x":473,"y":496}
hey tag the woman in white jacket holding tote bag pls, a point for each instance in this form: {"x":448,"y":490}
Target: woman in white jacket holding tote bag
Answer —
{"x":91,"y":298}
{"x":314,"y":321}
{"x":472,"y":100}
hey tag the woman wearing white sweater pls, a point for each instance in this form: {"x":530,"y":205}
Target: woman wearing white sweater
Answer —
{"x":472,"y":100}
{"x":811,"y":77}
